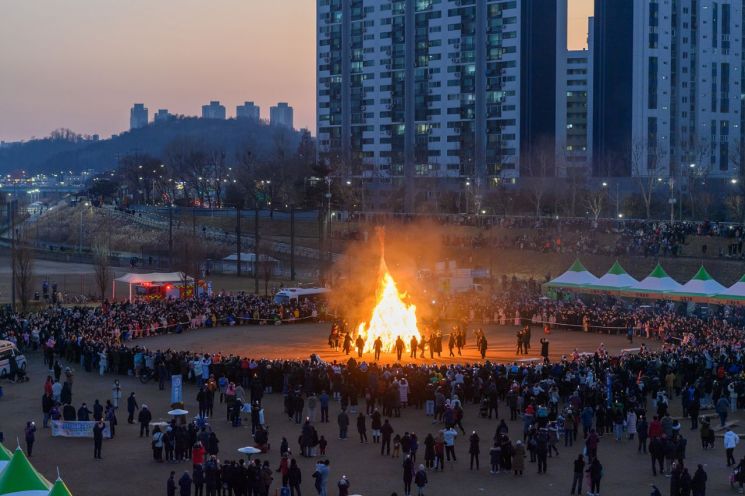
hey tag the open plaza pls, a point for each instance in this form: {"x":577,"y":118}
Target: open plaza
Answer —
{"x":127,"y":459}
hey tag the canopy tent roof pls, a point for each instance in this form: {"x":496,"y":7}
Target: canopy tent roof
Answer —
{"x":20,"y":478}
{"x":615,"y":278}
{"x":734,"y":292}
{"x":576,"y":276}
{"x":5,"y":457}
{"x":152,"y":277}
{"x":658,"y":281}
{"x":702,"y":284}
{"x":249,"y":257}
{"x":60,"y":489}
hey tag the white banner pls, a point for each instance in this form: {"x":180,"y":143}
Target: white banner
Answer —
{"x":65,"y":428}
{"x":176,"y":389}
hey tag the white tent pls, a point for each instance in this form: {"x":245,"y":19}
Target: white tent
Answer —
{"x":657,"y":282}
{"x":576,"y":277}
{"x":615,"y":278}
{"x":153,"y":277}
{"x":735,"y":293}
{"x":701,"y":285}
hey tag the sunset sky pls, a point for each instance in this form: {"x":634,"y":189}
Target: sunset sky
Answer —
{"x":80,"y":64}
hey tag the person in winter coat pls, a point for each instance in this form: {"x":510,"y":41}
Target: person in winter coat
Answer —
{"x":294,"y":478}
{"x":157,"y":444}
{"x":184,"y":484}
{"x":197,"y":478}
{"x":631,"y":424}
{"x":420,"y":479}
{"x":579,"y":472}
{"x":144,"y":419}
{"x":171,"y":484}
{"x":343,"y":486}
{"x":429,"y":451}
{"x":30,"y":434}
{"x":495,"y":456}
{"x":408,"y":467}
{"x":642,"y":429}
{"x":362,"y":427}
{"x":473,"y":449}
{"x":343,"y":420}
{"x":698,"y":483}
{"x":131,"y":407}
{"x":596,"y":473}
{"x":518,"y":458}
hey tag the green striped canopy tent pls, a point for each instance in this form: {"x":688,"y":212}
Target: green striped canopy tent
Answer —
{"x":5,"y":457}
{"x":60,"y":489}
{"x":701,"y":287}
{"x":20,"y":478}
{"x":614,"y":280}
{"x":734,"y":294}
{"x":655,"y":285}
{"x":577,"y":277}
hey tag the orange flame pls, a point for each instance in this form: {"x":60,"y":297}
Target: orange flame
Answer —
{"x":392,"y":317}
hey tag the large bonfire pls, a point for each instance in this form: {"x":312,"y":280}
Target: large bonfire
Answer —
{"x":392,"y":317}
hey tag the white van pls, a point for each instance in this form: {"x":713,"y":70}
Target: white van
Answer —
{"x":8,"y":350}
{"x":287,"y":295}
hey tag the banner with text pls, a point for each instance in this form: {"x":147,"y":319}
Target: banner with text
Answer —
{"x":65,"y":428}
{"x":176,"y":389}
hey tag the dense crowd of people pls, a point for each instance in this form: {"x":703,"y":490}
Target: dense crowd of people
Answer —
{"x":611,"y":238}
{"x":578,"y":399}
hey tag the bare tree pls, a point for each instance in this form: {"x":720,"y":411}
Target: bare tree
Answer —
{"x":218,"y":173}
{"x":537,"y":164}
{"x":101,"y":267}
{"x":645,"y":180}
{"x":189,"y":255}
{"x":595,"y":201}
{"x":187,"y":158}
{"x":698,"y":172}
{"x":23,"y":262}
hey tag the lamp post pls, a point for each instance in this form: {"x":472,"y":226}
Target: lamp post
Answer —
{"x":672,"y":200}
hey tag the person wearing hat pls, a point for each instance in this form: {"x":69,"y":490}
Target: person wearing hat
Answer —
{"x":420,"y":479}
{"x":343,"y":486}
{"x":184,"y":484}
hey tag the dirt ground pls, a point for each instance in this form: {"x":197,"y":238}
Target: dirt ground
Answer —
{"x":127,"y":464}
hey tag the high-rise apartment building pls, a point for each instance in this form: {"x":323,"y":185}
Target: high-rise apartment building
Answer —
{"x":248,"y":111}
{"x":138,"y":116}
{"x":452,"y":89}
{"x":213,"y":110}
{"x":281,"y":115}
{"x":574,"y":85}
{"x":162,"y":115}
{"x":668,"y":87}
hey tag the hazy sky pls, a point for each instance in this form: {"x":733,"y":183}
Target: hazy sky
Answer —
{"x":81,"y":64}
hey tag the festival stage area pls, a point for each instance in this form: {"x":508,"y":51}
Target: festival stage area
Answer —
{"x":298,"y":341}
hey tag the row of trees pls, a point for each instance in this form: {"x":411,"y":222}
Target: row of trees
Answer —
{"x":194,"y":172}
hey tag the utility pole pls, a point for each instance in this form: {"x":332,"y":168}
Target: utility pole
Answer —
{"x":256,"y":250}
{"x":193,"y":222}
{"x":328,"y":230}
{"x":80,"y":234}
{"x":292,"y":242}
{"x":170,"y":236}
{"x":672,"y":200}
{"x":12,"y":222}
{"x":238,"y":240}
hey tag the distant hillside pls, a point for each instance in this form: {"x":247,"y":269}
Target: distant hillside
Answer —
{"x":64,"y":150}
